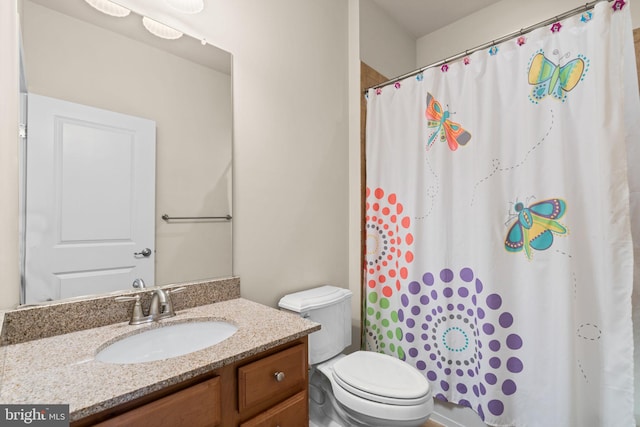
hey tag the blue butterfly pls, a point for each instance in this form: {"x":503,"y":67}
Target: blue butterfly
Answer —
{"x":535,"y":226}
{"x":551,"y":79}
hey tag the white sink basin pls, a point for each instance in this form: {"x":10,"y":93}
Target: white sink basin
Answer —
{"x":166,"y":341}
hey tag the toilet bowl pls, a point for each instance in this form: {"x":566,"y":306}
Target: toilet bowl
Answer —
{"x":362,"y":388}
{"x":375,"y":389}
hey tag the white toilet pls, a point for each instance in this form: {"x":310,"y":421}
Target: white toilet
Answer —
{"x":362,"y":388}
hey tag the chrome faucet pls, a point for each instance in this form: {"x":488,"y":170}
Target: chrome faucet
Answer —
{"x":160,"y":307}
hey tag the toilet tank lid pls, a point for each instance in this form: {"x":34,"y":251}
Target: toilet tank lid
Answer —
{"x":314,"y":298}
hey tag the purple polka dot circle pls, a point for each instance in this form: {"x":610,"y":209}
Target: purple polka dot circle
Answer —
{"x":469,"y":346}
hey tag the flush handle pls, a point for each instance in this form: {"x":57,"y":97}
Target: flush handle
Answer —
{"x":145,"y":252}
{"x":279,"y":376}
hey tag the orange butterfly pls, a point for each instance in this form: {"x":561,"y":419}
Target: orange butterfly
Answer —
{"x":448,"y":130}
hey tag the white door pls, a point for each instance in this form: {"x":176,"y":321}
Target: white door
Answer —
{"x":90,"y":200}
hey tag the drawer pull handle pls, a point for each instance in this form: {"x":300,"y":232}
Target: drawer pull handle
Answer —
{"x":279,"y":376}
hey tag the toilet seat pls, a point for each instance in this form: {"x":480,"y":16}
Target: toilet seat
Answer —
{"x":412,"y":404}
{"x":381,"y":378}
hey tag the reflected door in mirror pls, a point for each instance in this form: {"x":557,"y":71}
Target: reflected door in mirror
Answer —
{"x":90,"y":200}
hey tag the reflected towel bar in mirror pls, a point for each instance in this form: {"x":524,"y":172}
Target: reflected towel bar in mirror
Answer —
{"x":169,"y":218}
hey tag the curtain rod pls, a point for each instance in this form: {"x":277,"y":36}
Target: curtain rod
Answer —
{"x":575,"y":11}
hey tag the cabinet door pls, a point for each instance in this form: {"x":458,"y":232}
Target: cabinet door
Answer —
{"x":290,"y":413}
{"x":196,"y":406}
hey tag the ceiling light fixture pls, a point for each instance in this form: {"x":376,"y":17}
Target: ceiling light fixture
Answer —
{"x":109,"y":7}
{"x":186,"y":6}
{"x":160,"y":30}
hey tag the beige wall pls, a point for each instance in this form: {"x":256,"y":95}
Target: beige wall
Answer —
{"x":9,"y":269}
{"x":291,"y":142}
{"x":385,"y":45}
{"x":291,"y":139}
{"x":192,"y":110}
{"x":355,"y":189}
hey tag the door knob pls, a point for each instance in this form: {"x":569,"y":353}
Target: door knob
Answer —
{"x":145,"y":252}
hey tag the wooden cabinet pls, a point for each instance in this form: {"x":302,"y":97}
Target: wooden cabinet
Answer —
{"x":281,"y":377}
{"x":272,"y":377}
{"x":292,"y":412}
{"x":197,"y":406}
{"x":265,"y":390}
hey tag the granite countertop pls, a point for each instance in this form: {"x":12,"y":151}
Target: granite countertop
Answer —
{"x":62,"y":369}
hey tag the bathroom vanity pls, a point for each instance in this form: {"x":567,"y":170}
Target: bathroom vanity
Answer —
{"x":256,"y":377}
{"x":246,"y":393}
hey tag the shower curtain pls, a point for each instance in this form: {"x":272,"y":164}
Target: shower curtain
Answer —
{"x":499,"y":257}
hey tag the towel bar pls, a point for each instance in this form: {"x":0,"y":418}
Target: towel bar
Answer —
{"x":169,"y":218}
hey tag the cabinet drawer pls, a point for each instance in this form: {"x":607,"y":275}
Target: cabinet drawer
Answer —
{"x":260,"y":381}
{"x":290,"y":413}
{"x":196,"y":406}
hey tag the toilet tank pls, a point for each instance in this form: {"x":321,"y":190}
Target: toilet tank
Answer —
{"x":331,"y":307}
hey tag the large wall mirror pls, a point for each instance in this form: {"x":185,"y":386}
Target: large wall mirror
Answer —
{"x":123,"y":128}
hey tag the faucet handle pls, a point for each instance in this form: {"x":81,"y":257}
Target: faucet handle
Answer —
{"x":135,"y":298}
{"x":137,"y":316}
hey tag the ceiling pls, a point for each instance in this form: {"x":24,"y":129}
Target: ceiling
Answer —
{"x":421,"y":17}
